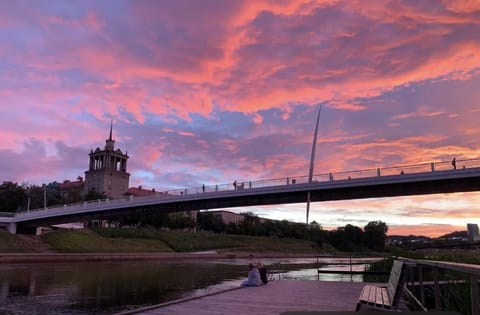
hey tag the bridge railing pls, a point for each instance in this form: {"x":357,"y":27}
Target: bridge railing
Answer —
{"x":317,"y":178}
{"x":353,"y":174}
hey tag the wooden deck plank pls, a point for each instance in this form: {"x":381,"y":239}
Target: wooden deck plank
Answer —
{"x":365,"y":292}
{"x":371,"y":297}
{"x":379,"y":297}
{"x":273,"y":298}
{"x":386,"y":299}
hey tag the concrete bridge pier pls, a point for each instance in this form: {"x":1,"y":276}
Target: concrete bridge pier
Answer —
{"x":32,"y":286}
{"x":12,"y":228}
{"x":4,"y":289}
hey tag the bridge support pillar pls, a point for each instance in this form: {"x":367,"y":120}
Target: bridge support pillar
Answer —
{"x":12,"y":228}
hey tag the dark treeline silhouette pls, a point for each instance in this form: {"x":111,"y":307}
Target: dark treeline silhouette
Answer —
{"x":347,"y":238}
{"x":14,"y":197}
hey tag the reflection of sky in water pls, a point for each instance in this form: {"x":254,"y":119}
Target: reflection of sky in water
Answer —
{"x":73,"y":288}
{"x":312,"y":274}
{"x":324,"y":260}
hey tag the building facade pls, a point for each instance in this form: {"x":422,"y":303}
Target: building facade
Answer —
{"x":473,"y":234}
{"x":107,"y":172}
{"x":72,"y":191}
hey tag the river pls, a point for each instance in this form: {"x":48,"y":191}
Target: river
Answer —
{"x":109,"y":287}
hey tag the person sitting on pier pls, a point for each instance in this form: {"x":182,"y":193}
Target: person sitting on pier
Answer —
{"x":253,"y":277}
{"x":263,"y":272}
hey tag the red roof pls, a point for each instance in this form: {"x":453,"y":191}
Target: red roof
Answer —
{"x":138,"y":192}
{"x":70,"y":185}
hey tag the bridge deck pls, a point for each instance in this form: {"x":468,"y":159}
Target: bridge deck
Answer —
{"x":274,"y":298}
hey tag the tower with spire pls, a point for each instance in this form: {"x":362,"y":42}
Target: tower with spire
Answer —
{"x":107,"y":171}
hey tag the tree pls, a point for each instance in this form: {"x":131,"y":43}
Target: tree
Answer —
{"x":12,"y":197}
{"x":93,"y":195}
{"x":354,"y":234}
{"x":375,"y":234}
{"x":210,"y":222}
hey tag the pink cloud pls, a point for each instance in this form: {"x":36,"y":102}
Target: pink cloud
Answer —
{"x":434,"y":230}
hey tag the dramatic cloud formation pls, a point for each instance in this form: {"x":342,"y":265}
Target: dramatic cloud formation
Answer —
{"x":211,"y":91}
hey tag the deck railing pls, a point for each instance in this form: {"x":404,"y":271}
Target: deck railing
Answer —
{"x":443,"y":286}
{"x":291,"y":180}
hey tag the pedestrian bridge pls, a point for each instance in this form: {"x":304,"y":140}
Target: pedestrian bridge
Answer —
{"x":427,"y":178}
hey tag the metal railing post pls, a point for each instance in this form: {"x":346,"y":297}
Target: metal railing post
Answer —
{"x":432,"y":166}
{"x":474,"y":294}
{"x":288,"y":180}
{"x":378,"y":172}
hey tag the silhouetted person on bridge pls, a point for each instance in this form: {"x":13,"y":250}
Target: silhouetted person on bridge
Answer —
{"x":454,"y":163}
{"x":203,"y":187}
{"x":235,"y":185}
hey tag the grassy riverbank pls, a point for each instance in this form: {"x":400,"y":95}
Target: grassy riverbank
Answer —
{"x":151,"y":241}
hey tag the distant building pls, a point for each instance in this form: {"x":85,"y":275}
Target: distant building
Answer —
{"x":72,"y":191}
{"x":107,"y":172}
{"x":228,"y":217}
{"x":473,"y":234}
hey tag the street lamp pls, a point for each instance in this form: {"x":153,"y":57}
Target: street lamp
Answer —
{"x":44,"y":196}
{"x":28,"y":199}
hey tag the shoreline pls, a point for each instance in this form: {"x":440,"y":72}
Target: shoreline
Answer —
{"x":6,"y":258}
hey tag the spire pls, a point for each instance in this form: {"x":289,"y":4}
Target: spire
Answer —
{"x":111,"y":127}
{"x":110,"y":143}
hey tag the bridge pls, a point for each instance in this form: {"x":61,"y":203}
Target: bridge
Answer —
{"x":420,"y":179}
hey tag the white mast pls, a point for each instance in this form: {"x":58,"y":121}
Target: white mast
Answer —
{"x":312,"y":160}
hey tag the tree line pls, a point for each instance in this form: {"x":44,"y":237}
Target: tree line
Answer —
{"x":15,"y":197}
{"x":347,"y":238}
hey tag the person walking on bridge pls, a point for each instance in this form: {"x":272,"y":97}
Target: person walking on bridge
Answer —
{"x":454,"y":163}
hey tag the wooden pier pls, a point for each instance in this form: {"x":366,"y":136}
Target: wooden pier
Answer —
{"x":273,"y":298}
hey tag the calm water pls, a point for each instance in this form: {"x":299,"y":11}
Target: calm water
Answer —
{"x":106,"y":288}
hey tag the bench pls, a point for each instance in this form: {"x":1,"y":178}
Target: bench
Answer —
{"x":383,"y":297}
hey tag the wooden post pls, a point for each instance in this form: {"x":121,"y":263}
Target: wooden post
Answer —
{"x":351,"y":275}
{"x":474,"y":294}
{"x":422,"y":289}
{"x":411,"y":276}
{"x":438,"y":297}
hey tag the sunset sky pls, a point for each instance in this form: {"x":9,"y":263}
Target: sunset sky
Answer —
{"x":207,"y":92}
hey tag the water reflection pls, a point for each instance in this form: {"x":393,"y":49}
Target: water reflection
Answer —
{"x":97,"y":288}
{"x":105,"y":288}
